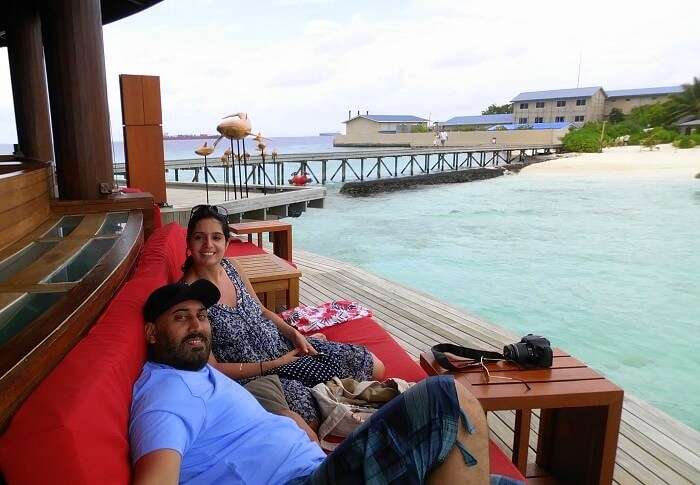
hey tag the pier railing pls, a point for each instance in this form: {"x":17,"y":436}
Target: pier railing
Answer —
{"x":356,"y":165}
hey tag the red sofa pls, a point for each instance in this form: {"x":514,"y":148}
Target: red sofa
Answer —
{"x":73,"y":427}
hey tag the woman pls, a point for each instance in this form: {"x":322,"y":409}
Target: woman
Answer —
{"x":249,"y":340}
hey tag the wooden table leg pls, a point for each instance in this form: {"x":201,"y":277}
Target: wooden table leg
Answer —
{"x":293,"y":293}
{"x":282,"y":244}
{"x":609,"y":447}
{"x":579,"y":444}
{"x":521,"y":438}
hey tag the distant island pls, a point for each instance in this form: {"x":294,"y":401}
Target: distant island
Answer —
{"x":189,"y":137}
{"x":330,"y":133}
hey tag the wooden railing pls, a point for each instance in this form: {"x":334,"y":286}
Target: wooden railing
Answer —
{"x":27,"y":357}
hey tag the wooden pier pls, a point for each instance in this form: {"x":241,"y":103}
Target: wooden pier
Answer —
{"x":273,"y":203}
{"x":330,"y":167}
{"x":653,"y":448}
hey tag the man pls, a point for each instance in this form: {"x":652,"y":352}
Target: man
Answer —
{"x":443,"y":137}
{"x":191,"y":424}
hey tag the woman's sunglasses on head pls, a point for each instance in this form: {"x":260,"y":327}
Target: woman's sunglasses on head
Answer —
{"x":209,"y":208}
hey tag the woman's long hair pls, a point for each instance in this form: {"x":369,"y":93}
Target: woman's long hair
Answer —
{"x":201,"y":213}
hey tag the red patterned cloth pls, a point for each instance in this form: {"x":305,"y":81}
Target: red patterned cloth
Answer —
{"x":312,"y":318}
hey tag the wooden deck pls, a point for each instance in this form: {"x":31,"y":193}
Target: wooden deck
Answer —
{"x":653,"y":447}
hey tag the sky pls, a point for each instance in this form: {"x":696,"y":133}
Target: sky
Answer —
{"x":297,"y":66}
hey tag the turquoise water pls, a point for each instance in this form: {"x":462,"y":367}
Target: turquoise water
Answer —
{"x":608,"y":269}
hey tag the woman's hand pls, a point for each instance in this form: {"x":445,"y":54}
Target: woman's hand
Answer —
{"x":302,"y":345}
{"x":290,"y":356}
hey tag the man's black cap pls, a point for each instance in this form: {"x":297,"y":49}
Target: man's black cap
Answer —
{"x":166,"y":296}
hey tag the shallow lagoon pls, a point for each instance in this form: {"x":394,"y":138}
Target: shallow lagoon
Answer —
{"x":607,"y":268}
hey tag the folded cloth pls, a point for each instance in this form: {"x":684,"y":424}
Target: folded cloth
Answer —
{"x":313,"y":318}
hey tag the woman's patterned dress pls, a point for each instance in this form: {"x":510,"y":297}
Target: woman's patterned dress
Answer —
{"x":243,"y":334}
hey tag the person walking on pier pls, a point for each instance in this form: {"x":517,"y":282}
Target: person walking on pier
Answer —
{"x":443,"y":137}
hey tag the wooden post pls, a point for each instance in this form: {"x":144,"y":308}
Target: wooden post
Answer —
{"x":75,"y":68}
{"x":29,"y":92}
{"x":323,"y":171}
{"x":362,"y":168}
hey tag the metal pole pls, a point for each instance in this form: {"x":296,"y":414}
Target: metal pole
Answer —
{"x":233,"y":167}
{"x":262,"y":155}
{"x":245,"y":163}
{"x":206,"y":178}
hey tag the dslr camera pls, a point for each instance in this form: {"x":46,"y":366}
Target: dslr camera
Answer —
{"x":531,"y":351}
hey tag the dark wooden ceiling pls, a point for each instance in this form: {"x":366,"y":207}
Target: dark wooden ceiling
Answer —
{"x":111,"y":10}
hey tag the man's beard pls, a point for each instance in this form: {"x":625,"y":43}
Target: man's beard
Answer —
{"x":179,"y":355}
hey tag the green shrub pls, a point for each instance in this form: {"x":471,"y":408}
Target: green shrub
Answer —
{"x":419,"y":129}
{"x":695,"y":137}
{"x":613,"y":130}
{"x":684,"y":141}
{"x":582,"y":140}
{"x":662,"y":135}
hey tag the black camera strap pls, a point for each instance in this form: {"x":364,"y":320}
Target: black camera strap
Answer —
{"x":475,"y":354}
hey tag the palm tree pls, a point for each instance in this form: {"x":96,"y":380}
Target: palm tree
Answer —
{"x":686,"y":103}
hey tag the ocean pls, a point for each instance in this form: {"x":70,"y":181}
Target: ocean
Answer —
{"x":606,"y":268}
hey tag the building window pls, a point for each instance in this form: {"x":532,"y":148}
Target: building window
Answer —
{"x":627,"y":99}
{"x":539,"y":119}
{"x":522,"y":120}
{"x":523,"y":105}
{"x":561,"y":103}
{"x":559,"y":119}
{"x":577,"y":118}
{"x":580,"y":102}
{"x":539,"y":104}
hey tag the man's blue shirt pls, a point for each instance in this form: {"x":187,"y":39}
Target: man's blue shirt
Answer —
{"x":219,"y":429}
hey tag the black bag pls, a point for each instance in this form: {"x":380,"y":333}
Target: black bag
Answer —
{"x":310,"y":369}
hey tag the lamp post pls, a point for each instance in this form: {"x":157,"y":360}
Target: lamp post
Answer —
{"x":205,"y":151}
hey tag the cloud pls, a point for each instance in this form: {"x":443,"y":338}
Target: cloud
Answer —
{"x":297,"y":66}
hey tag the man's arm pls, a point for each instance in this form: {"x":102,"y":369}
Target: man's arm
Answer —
{"x":159,"y":467}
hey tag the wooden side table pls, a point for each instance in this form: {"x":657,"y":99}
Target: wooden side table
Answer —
{"x":579,"y":419}
{"x":281,"y":233}
{"x":269,"y":276}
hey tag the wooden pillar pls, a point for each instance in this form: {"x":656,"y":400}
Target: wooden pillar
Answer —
{"x":143,"y":134}
{"x":31,"y":100}
{"x":75,"y":67}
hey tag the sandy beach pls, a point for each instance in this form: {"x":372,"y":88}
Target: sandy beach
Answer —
{"x":628,"y":161}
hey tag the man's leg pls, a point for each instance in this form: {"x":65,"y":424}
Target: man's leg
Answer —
{"x":454,"y":469}
{"x":267,"y":390}
{"x":420,"y":432}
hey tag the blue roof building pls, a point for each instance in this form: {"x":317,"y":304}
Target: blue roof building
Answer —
{"x":479,"y":120}
{"x":391,"y":118}
{"x":660,"y":91}
{"x":367,"y":124}
{"x":557,"y":94}
{"x":533,"y":126}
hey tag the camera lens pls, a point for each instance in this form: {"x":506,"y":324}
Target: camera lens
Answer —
{"x":510,"y":352}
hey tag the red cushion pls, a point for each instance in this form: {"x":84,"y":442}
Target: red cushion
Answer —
{"x":243,"y":248}
{"x":163,"y":254}
{"x":501,"y":465}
